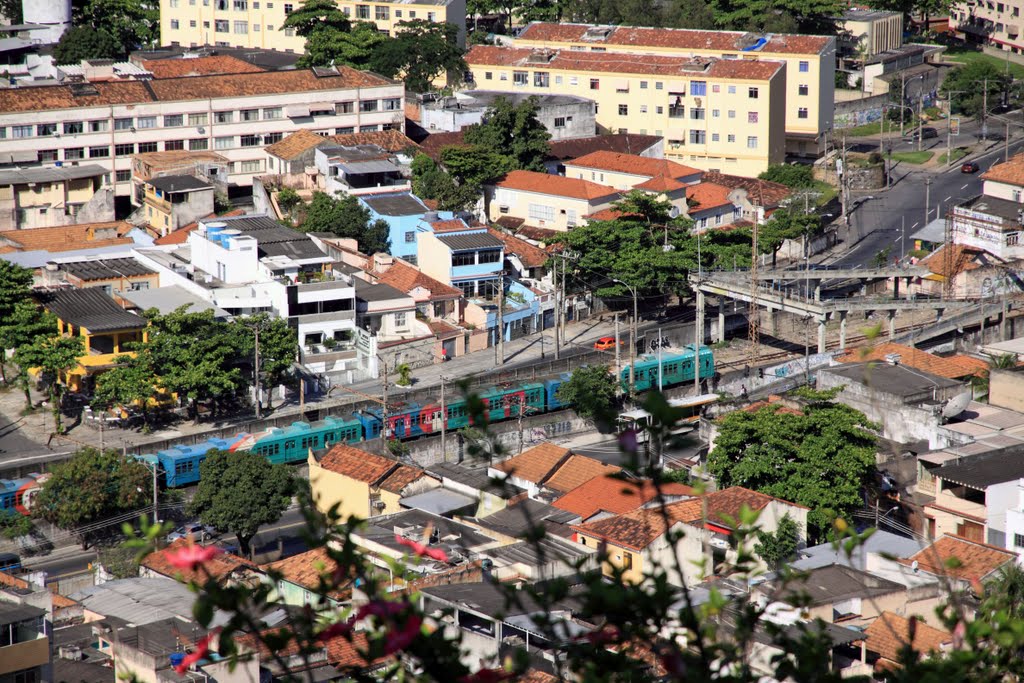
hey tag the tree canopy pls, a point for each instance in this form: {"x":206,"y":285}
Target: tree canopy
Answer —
{"x":430,"y":181}
{"x":420,"y":52}
{"x":779,"y":547}
{"x":312,"y":16}
{"x":592,"y":390}
{"x":354,"y":47}
{"x":346,"y":217}
{"x":820,"y":457}
{"x":240,"y":492}
{"x":53,"y":356}
{"x":783,"y":16}
{"x":512,"y":130}
{"x":132,"y":381}
{"x":796,"y":176}
{"x":968,"y":83}
{"x":84,"y":42}
{"x":785,"y":224}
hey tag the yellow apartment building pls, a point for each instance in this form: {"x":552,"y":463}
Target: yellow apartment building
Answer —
{"x":810,"y":64}
{"x":258,"y":23}
{"x":54,"y":196}
{"x":724,"y":115}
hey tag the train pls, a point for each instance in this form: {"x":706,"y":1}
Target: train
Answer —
{"x":18,"y":495}
{"x":179,"y":466}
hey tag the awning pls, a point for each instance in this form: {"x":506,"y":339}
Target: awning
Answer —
{"x":622,"y":85}
{"x":17,"y":157}
{"x":373,"y":166}
{"x":294,"y":111}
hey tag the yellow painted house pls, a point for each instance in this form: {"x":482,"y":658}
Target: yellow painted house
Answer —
{"x":726,"y":115}
{"x":363,"y":484}
{"x":106,"y":329}
{"x":810,"y":64}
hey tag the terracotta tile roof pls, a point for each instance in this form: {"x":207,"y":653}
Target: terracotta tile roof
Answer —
{"x":442,"y":329}
{"x":633,"y":164}
{"x":718,"y":505}
{"x":531,"y":256}
{"x":250,"y":642}
{"x":605,"y":215}
{"x":578,"y":469}
{"x":69,"y":237}
{"x":55,"y":97}
{"x":220,"y":566}
{"x":636,"y":529}
{"x":1010,"y":172}
{"x":306,"y":569}
{"x":346,"y":654}
{"x":975,"y":560}
{"x":707,"y":196}
{"x":536,"y":676}
{"x":201,"y":66}
{"x":555,"y":185}
{"x":304,"y":140}
{"x":451,"y":225}
{"x":615,"y":495}
{"x":660,"y":184}
{"x":406,"y":278}
{"x":180,"y":236}
{"x":625,"y":63}
{"x":536,"y":464}
{"x":400,"y":478}
{"x":536,"y":234}
{"x":964,"y":259}
{"x":953,"y":367}
{"x":363,"y":466}
{"x":434,"y":144}
{"x":628,"y":143}
{"x":772,"y":400}
{"x":759,"y":192}
{"x":890,"y":633}
{"x":674,"y":38}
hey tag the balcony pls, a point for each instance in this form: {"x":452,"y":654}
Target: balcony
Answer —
{"x":318,"y":353}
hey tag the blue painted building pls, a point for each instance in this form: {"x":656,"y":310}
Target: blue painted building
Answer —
{"x":406,"y":214}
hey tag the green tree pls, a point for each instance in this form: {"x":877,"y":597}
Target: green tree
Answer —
{"x":53,"y":357}
{"x":20,"y":318}
{"x":346,"y":217}
{"x":131,"y":23}
{"x":593,"y":392}
{"x":419,"y":52}
{"x":404,"y":375}
{"x":778,"y":548}
{"x":314,"y":16}
{"x":785,"y":224}
{"x":278,"y":346}
{"x":783,"y":16}
{"x":120,"y":561}
{"x":796,"y":176}
{"x":90,"y":486}
{"x":14,"y":525}
{"x":970,"y":82}
{"x":821,"y":457}
{"x":240,"y":492}
{"x":11,"y":10}
{"x":15,"y":287}
{"x":132,"y":381}
{"x":288,"y":199}
{"x":475,"y":165}
{"x":512,"y":130}
{"x":84,"y":42}
{"x":1004,"y":592}
{"x":354,"y":48}
{"x":692,"y":14}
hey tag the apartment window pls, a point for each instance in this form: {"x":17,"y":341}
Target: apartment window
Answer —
{"x":410,"y":236}
{"x":540,"y":212}
{"x":488,"y":75}
{"x":3,"y":133}
{"x":45,"y":129}
{"x":224,"y":143}
{"x":716,"y":88}
{"x":222,"y":5}
{"x":198,"y":144}
{"x":489,"y":256}
{"x":123,"y":124}
{"x":197,"y":119}
{"x":147,"y":147}
{"x":362,"y":11}
{"x":241,"y":28}
{"x":271,"y":138}
{"x":99,"y":152}
{"x":752,"y":92}
{"x":124,"y":150}
{"x":400,"y":319}
{"x":659,"y":110}
{"x":595,"y":84}
{"x":627,"y":561}
{"x":541,"y":79}
{"x":392,"y":104}
{"x":751,"y":142}
{"x":254,"y":166}
{"x":801,"y":113}
{"x":520,"y":77}
{"x":643,"y":108}
{"x":732,"y":89}
{"x":398,"y":14}
{"x":382,"y":13}
{"x":697,"y":113}
{"x":173,"y":121}
{"x":368,"y":105}
{"x":255,"y":28}
{"x":98,"y":126}
{"x":250,"y":140}
{"x":658,"y":85}
{"x":1018,"y":540}
{"x":123,"y":177}
{"x":751,"y":117}
{"x":431,"y":16}
{"x":272,"y":113}
{"x":643,"y":85}
{"x":21,"y":131}
{"x":1016,"y":195}
{"x":174,"y":145}
{"x":344,"y":107}
{"x":697,"y":137}
{"x":290,"y":32}
{"x":241,"y":5}
{"x":175,"y":25}
{"x":698,"y":88}
{"x":146,"y":122}
{"x":74,"y":153}
{"x":344,"y":130}
{"x":287,"y":8}
{"x":72,"y":128}
{"x":221,"y":25}
{"x":412,"y":14}
{"x":250,"y":114}
{"x":802,"y":89}
{"x":731,"y":113}
{"x":805,"y":67}
{"x":206,"y":24}
{"x":623,"y":110}
{"x":730,"y":138}
{"x":714,"y":137}
{"x":223,"y":116}
{"x":44,"y":155}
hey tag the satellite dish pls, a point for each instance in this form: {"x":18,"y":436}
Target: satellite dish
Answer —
{"x":956,"y":405}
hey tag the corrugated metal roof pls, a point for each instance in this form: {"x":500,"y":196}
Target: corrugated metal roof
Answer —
{"x":398,"y":204}
{"x":179,"y":183}
{"x":89,"y":308}
{"x":476,"y":240}
{"x":373,"y":166}
{"x":50,"y":174}
{"x":982,"y":471}
{"x":105,"y":269}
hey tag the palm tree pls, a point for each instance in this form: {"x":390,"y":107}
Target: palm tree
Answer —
{"x":979,"y":382}
{"x":1005,"y":592}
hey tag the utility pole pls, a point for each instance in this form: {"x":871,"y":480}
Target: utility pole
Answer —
{"x":256,"y":372}
{"x":384,"y":401}
{"x":618,"y":352}
{"x":156,"y":492}
{"x":753,"y":312}
{"x":661,"y":379}
{"x":499,"y":344}
{"x":920,"y":116}
{"x":444,"y":422}
{"x":984,"y":110}
{"x":561,"y":310}
{"x":927,"y":198}
{"x":554,"y":285}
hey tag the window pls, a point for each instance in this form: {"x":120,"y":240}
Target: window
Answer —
{"x":541,"y":79}
{"x":98,"y":126}
{"x":250,"y":140}
{"x":272,"y":113}
{"x":398,"y":14}
{"x":345,"y":130}
{"x":488,"y":75}
{"x":731,"y":114}
{"x":623,"y":110}
{"x":805,"y":67}
{"x":46,"y":155}
{"x":751,"y":142}
{"x":752,"y":92}
{"x":198,"y":144}
{"x":174,"y":25}
{"x":1016,"y":195}
{"x":559,"y":122}
{"x":271,"y":138}
{"x":643,"y":85}
{"x":730,"y":138}
{"x":123,"y":124}
{"x":362,"y":11}
{"x":802,"y":89}
{"x":1018,"y":540}
{"x":147,"y":147}
{"x":99,"y":152}
{"x":146,"y":122}
{"x":45,"y":129}
{"x":697,"y":137}
{"x":520,"y":77}
{"x":197,"y":119}
{"x":716,"y":88}
{"x":255,"y":28}
{"x":221,"y":25}
{"x":801,"y":113}
{"x":123,"y":177}
{"x":290,"y":32}
{"x":250,"y":114}
{"x":400,"y":319}
{"x":412,"y":14}
{"x":392,"y":104}
{"x":732,"y":89}
{"x":410,"y":236}
{"x":595,"y":84}
{"x":254,"y":166}
{"x":73,"y":128}
{"x":382,"y":13}
{"x":540,"y":212}
{"x":223,"y":116}
{"x":714,"y":137}
{"x":431,"y":16}
{"x":658,"y":85}
{"x":368,"y":105}
{"x":174,"y":120}
{"x":698,"y":88}
{"x":643,"y":108}
{"x":3,"y":133}
{"x":627,"y":561}
{"x":224,"y":143}
{"x":174,"y":145}
{"x":287,"y":7}
{"x":697,"y":113}
{"x":21,"y":131}
{"x":465,"y":258}
{"x":241,"y":27}
{"x":489,"y":256}
{"x":751,"y":117}
{"x":124,"y":150}
{"x":74,"y":153}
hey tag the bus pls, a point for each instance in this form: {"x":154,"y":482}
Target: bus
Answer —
{"x":692,"y":408}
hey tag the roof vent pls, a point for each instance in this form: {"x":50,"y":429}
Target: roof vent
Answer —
{"x":541,"y":56}
{"x":83,"y":90}
{"x":325,"y":71}
{"x":892,"y":358}
{"x":597,"y":33}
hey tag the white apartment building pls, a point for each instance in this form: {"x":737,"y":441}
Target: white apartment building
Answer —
{"x":236,"y":115}
{"x":997,"y":24}
{"x":994,"y":220}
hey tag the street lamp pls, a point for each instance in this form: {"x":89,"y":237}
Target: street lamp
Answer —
{"x":632,"y":351}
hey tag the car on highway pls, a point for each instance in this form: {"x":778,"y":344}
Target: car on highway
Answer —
{"x":605,"y":344}
{"x":195,"y":530}
{"x":970,"y":167}
{"x":926,"y":133}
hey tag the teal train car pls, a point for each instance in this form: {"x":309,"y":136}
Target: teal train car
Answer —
{"x":673,"y":368}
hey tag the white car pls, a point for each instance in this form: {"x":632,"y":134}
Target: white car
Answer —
{"x":198,"y":532}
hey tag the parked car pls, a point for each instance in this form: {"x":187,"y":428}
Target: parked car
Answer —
{"x":197,"y":531}
{"x":605,"y":344}
{"x":926,"y":134}
{"x":970,"y":167}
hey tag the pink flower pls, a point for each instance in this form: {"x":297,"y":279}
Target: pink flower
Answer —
{"x":382,"y":609}
{"x":628,"y":441}
{"x":190,"y":556}
{"x":202,"y":648}
{"x":339,"y":629}
{"x":422,"y":550}
{"x":959,"y":633}
{"x":399,"y":639}
{"x":487,"y":676}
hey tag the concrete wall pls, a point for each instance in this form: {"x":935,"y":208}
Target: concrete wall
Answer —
{"x":860,"y":111}
{"x":1006,"y":389}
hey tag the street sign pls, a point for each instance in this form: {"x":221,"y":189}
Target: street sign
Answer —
{"x":954,"y":126}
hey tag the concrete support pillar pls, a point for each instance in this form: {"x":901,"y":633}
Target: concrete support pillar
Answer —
{"x":909,"y":295}
{"x":770,"y":315}
{"x":895,"y":288}
{"x":1002,"y":320}
{"x":938,"y":316}
{"x":721,"y":320}
{"x":698,"y":331}
{"x":842,"y":330}
{"x":821,"y":335}
{"x":817,"y":291}
{"x":892,"y":325}
{"x":863,"y":287}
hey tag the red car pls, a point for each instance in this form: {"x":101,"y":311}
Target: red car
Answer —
{"x":605,"y":344}
{"x":969,"y":167}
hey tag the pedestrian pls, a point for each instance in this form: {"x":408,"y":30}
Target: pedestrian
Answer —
{"x":743,"y":391}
